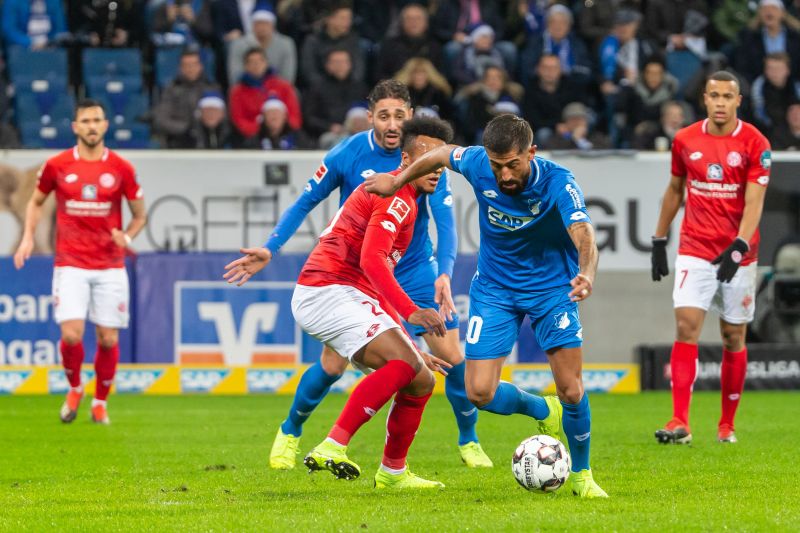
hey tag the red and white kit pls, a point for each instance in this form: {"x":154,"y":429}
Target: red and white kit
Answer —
{"x":89,"y":275}
{"x":340,"y":294}
{"x":717,"y":171}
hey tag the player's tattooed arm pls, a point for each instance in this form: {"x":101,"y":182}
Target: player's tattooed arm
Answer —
{"x":582,"y":235}
{"x":386,"y":184}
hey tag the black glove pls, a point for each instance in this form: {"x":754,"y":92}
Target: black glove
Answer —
{"x":729,"y":260}
{"x":658,"y":258}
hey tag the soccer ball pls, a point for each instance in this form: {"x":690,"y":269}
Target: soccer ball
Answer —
{"x":541,"y":463}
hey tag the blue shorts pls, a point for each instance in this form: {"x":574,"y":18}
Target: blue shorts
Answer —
{"x":417,"y":281}
{"x":496,"y":314}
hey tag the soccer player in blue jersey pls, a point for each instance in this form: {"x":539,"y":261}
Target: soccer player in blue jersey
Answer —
{"x":425,"y":278}
{"x":537,"y":257}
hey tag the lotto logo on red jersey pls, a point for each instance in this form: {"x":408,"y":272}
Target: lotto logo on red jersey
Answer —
{"x":399,"y":209}
{"x":320,"y":173}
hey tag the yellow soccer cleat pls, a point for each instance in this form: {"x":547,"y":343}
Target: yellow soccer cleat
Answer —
{"x":583,"y":485}
{"x":284,"y":450}
{"x":406,"y":480}
{"x":552,"y":424}
{"x":332,"y":457}
{"x":474,"y":457}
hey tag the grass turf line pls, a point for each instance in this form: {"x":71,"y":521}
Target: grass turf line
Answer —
{"x":200,"y":463}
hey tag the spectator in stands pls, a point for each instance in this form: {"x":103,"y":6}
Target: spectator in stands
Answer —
{"x":773,"y":92}
{"x":427,"y":87}
{"x":482,"y":97}
{"x":355,"y":121}
{"x":32,"y":23}
{"x":326,"y":103}
{"x":575,"y":132}
{"x":557,"y":39}
{"x":664,"y":21}
{"x":412,"y":41}
{"x":596,"y":19}
{"x":769,"y":37}
{"x":280,"y":49}
{"x":787,"y":137}
{"x":478,"y":52}
{"x":211,"y":130}
{"x":548,"y":94}
{"x":174,"y":115}
{"x":654,"y":87}
{"x":256,"y":84}
{"x":108,"y":23}
{"x":182,"y":22}
{"x":231,"y":17}
{"x":336,"y":32}
{"x":274,"y":132}
{"x":659,"y":135}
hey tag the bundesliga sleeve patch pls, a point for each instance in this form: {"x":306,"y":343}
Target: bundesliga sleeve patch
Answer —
{"x":399,"y":209}
{"x":320,"y":173}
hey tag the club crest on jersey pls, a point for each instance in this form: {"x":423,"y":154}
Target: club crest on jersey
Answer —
{"x":506,"y":221}
{"x":320,"y":173}
{"x":534,"y":206}
{"x":734,"y":159}
{"x":399,"y":209}
{"x":107,"y":180}
{"x":367,"y":173}
{"x":714,"y":172}
{"x":89,"y":192}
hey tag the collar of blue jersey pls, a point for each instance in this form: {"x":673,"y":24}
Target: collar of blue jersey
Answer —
{"x":375,"y":147}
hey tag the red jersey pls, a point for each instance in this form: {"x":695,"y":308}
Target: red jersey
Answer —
{"x":363,"y":244}
{"x":88,"y":206}
{"x":717,"y":171}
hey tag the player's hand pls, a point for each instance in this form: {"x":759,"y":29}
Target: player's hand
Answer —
{"x":242,"y":269}
{"x":23,"y":252}
{"x":444,"y":297}
{"x":381,"y":184}
{"x":581,"y":288}
{"x":730,"y":259}
{"x":434,"y":363}
{"x":658,"y":259}
{"x":118,"y":236}
{"x":428,"y":319}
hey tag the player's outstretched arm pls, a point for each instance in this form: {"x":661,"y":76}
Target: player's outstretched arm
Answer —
{"x":33,"y":212}
{"x":242,"y":269}
{"x":582,"y":235}
{"x":386,"y":184}
{"x":673,"y":198}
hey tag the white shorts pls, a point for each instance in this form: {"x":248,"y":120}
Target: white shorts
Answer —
{"x":341,"y":316}
{"x":103,"y":294}
{"x":696,"y":285}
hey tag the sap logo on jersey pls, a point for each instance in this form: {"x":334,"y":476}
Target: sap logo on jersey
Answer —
{"x":506,"y":221}
{"x":714,"y":172}
{"x":222,"y":324}
{"x":399,"y":209}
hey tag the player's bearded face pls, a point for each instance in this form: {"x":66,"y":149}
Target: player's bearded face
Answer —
{"x":89,"y":126}
{"x":387,"y":118}
{"x":722,"y":98}
{"x":511,"y":170}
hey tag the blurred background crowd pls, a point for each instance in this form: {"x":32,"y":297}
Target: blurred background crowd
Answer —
{"x":294,"y":74}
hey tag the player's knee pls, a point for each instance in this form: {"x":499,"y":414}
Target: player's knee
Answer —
{"x":570,"y":393}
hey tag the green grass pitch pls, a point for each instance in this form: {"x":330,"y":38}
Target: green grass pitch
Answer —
{"x":200,"y":464}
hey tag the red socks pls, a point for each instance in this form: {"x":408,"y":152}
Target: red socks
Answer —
{"x":683,"y":367}
{"x":401,"y":427}
{"x":369,"y":396}
{"x":734,"y":369}
{"x":105,"y":366}
{"x":72,"y":359}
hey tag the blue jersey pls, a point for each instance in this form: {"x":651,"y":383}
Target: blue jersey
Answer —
{"x":525,"y":246}
{"x":345,"y":167}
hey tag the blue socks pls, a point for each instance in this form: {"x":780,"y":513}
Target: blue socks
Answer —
{"x":466,"y":413}
{"x":313,"y":387}
{"x":510,"y":399}
{"x":577,"y":425}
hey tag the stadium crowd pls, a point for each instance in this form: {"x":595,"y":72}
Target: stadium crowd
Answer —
{"x":294,"y":74}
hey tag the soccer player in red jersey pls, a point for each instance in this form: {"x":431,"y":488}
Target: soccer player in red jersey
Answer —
{"x":89,"y":277}
{"x":722,"y":164}
{"x":348,"y":298}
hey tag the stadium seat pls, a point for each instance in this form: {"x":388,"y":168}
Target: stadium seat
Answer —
{"x":684,"y":65}
{"x":55,"y":135}
{"x":40,"y":71}
{"x":167,"y":60}
{"x":44,"y":108}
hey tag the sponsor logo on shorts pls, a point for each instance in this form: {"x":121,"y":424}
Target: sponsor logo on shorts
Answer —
{"x":89,"y":192}
{"x":458,"y":152}
{"x":506,"y":221}
{"x":734,"y":159}
{"x":562,"y":320}
{"x":766,"y":159}
{"x":320,"y":173}
{"x":107,"y":180}
{"x":71,"y":178}
{"x":694,"y":156}
{"x":763,"y":180}
{"x":388,"y":225}
{"x":399,"y":209}
{"x":490,"y":194}
{"x":714,"y":172}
